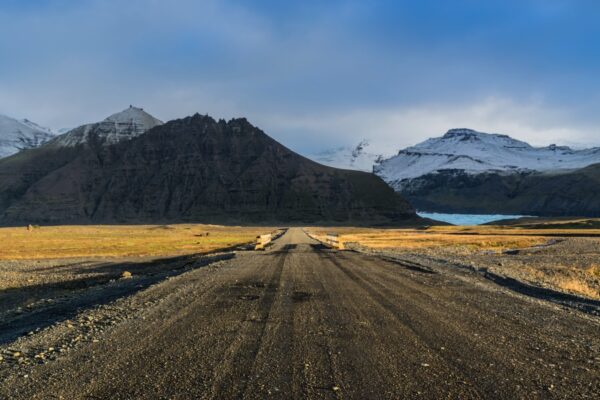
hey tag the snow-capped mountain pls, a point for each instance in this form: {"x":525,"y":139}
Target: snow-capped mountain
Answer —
{"x":17,"y":135}
{"x":346,"y":157}
{"x":123,"y":125}
{"x":475,"y":152}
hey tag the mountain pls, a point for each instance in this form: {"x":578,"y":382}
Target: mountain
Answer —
{"x":466,"y":171}
{"x":123,"y":125}
{"x":192,"y":169}
{"x":476,"y":152}
{"x":17,"y":135}
{"x":345,"y":157}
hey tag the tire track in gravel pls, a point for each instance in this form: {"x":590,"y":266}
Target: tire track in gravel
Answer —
{"x":464,"y":336}
{"x":241,"y":356}
{"x":400,"y":341}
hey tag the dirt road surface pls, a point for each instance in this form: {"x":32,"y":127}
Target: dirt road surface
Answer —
{"x":301,"y":321}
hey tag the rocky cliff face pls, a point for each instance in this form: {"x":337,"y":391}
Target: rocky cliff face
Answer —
{"x":559,"y":193}
{"x":193,"y":169}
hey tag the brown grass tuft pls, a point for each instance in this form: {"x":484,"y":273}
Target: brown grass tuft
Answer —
{"x":578,"y":286}
{"x":594,"y":270}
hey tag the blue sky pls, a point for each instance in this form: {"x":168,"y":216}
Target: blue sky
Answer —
{"x":312,"y":74}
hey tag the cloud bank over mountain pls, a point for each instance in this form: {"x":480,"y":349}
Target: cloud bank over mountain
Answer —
{"x":315,"y":74}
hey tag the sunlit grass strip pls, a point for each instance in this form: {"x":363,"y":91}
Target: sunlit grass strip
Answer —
{"x":448,"y":236}
{"x":120,"y":241}
{"x":567,"y":278}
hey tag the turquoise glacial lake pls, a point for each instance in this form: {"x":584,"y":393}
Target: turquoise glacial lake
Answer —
{"x":466,"y":219}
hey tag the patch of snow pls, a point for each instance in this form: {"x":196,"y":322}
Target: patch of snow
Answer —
{"x":345,"y":157}
{"x":476,"y":152}
{"x":123,"y":125}
{"x":62,"y":130}
{"x":17,"y":135}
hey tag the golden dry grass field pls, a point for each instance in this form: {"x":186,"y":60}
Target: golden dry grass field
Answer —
{"x":571,"y":264}
{"x":48,"y":242}
{"x":467,"y":238}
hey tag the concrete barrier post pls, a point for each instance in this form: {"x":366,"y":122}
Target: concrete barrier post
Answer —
{"x":333,"y":239}
{"x":262,"y":241}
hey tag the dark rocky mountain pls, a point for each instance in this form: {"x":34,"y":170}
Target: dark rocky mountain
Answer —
{"x":557,"y":193}
{"x":193,"y":169}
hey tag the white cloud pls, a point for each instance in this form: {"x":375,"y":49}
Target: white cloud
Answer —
{"x":391,"y":129}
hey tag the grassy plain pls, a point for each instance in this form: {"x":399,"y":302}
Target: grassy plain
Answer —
{"x":467,"y":238}
{"x":570,"y":263}
{"x":461,"y":238}
{"x":102,"y":241}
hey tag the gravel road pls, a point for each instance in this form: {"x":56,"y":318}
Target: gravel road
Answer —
{"x":301,"y":321}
